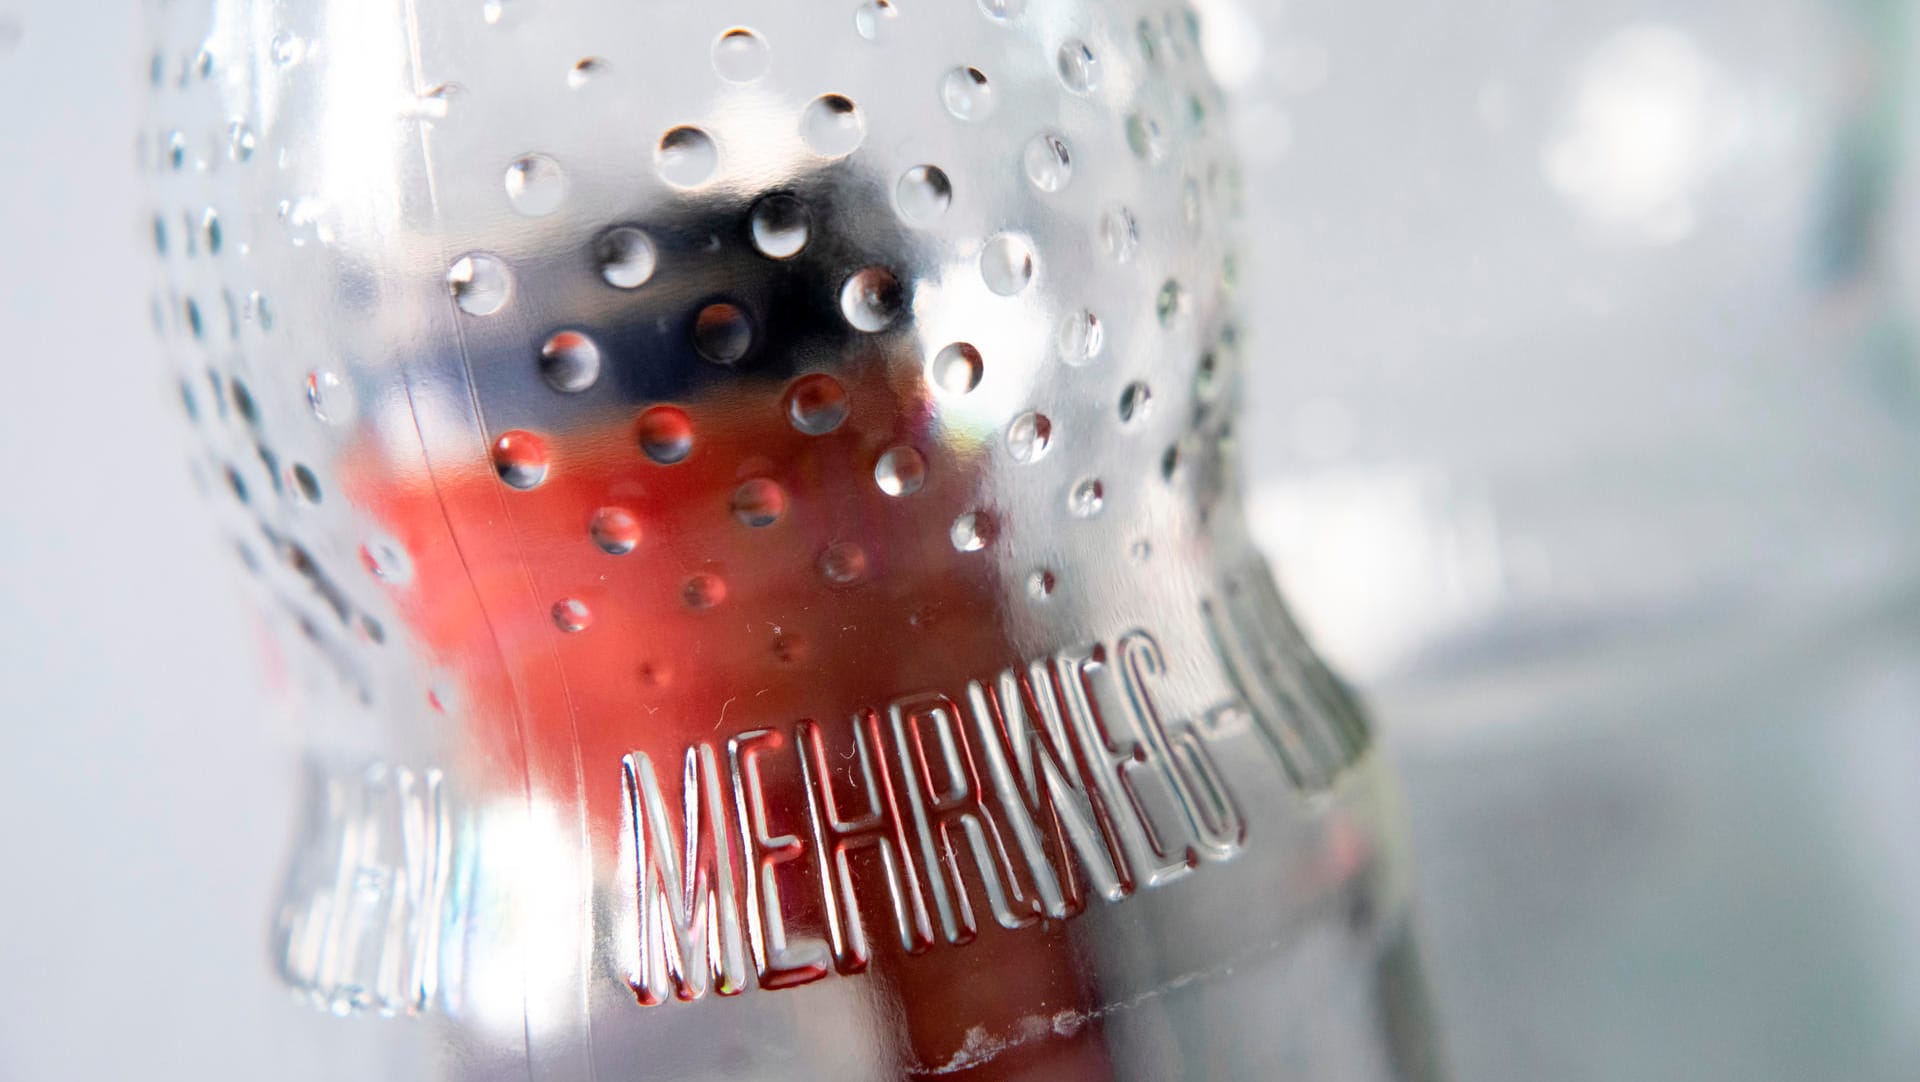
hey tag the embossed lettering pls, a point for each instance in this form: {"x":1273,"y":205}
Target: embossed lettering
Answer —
{"x":779,"y":960}
{"x":1119,"y":764}
{"x":837,"y":837}
{"x":950,"y":817}
{"x":689,"y":920}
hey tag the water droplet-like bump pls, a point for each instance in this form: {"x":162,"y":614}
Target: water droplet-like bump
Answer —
{"x":967,"y":94}
{"x":520,"y":458}
{"x":817,"y":404}
{"x":1079,"y":68}
{"x":570,"y":362}
{"x":923,"y":194}
{"x":1087,"y":498}
{"x":305,"y":482}
{"x":240,"y":142}
{"x":1119,"y":234}
{"x":479,"y":284}
{"x":759,"y":502}
{"x":615,"y":529}
{"x":1028,"y":436}
{"x":329,"y":398}
{"x":875,"y":19}
{"x":584,"y":71}
{"x":1170,"y":303}
{"x":1146,"y":137}
{"x":956,"y":369}
{"x":843,"y":563}
{"x":1001,"y":11}
{"x":971,"y":532}
{"x":901,"y":471}
{"x":666,"y":434}
{"x":1135,"y":402}
{"x":871,"y":299}
{"x":723,"y":333}
{"x":385,"y":560}
{"x":1006,"y":264}
{"x":740,"y":55}
{"x":832,"y":126}
{"x":626,"y":257}
{"x":570,"y":614}
{"x":1040,"y":585}
{"x":780,"y":226}
{"x":285,"y":50}
{"x":1048,"y":162}
{"x":1079,"y":338}
{"x":703,"y":591}
{"x":535,"y":185}
{"x":686,"y":157}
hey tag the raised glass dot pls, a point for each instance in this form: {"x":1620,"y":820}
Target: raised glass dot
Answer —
{"x":780,"y":226}
{"x":1136,"y":401}
{"x":816,"y":404}
{"x":177,"y":151}
{"x":329,"y":398}
{"x":703,"y":591}
{"x":759,"y":502}
{"x":570,"y":614}
{"x":666,"y":434}
{"x":971,"y":531}
{"x":159,"y":234}
{"x":520,"y":458}
{"x":901,"y":471}
{"x":535,"y":185}
{"x":843,"y":563}
{"x":1028,"y":436}
{"x":871,"y":299}
{"x":1079,"y":68}
{"x":1170,"y":303}
{"x":831,"y":126}
{"x":210,"y":225}
{"x":740,"y":55}
{"x":1040,"y":585}
{"x":1079,"y":337}
{"x":1048,"y":161}
{"x":723,"y":333}
{"x":570,"y":362}
{"x":479,"y":284}
{"x":686,"y":157}
{"x":967,"y":94}
{"x":956,"y":369}
{"x":1006,"y":264}
{"x":1146,"y":137}
{"x":385,"y":560}
{"x":1087,"y":498}
{"x":875,"y":19}
{"x":1119,"y":234}
{"x":626,"y":257}
{"x":1141,"y":551}
{"x":584,"y":71}
{"x":1001,"y":11}
{"x":240,"y":142}
{"x":305,"y":482}
{"x":285,"y":49}
{"x":923,"y":194}
{"x":615,"y":529}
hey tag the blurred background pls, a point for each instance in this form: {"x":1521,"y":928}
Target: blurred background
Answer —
{"x":1585,"y":434}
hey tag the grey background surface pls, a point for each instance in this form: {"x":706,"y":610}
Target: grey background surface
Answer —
{"x":1583,"y":419}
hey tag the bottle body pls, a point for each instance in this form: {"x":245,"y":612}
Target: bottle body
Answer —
{"x":745,"y":520}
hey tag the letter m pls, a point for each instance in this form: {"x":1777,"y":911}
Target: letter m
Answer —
{"x":689,"y":921}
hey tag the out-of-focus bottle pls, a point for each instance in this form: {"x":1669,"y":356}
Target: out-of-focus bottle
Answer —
{"x":743,"y":508}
